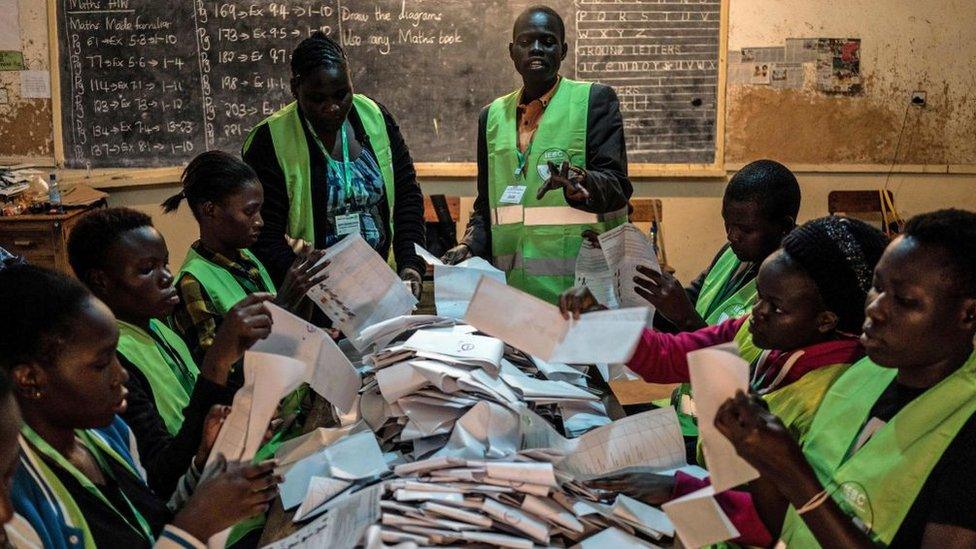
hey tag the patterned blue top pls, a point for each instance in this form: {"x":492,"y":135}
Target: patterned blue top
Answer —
{"x":367,"y":195}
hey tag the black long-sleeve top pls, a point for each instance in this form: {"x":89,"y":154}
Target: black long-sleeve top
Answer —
{"x":408,"y":210}
{"x":606,"y":168}
{"x":167,"y":457}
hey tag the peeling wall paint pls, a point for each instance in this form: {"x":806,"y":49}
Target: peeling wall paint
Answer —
{"x":26,"y":127}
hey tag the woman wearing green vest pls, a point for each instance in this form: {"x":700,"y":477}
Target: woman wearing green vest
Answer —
{"x":333,"y":163}
{"x":123,"y":259}
{"x":73,"y":479}
{"x":219,"y":271}
{"x":888,"y":460}
{"x":760,"y":206}
{"x":552,"y":163}
{"x":801,"y":332}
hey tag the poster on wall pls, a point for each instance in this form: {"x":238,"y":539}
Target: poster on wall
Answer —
{"x":839,"y":66}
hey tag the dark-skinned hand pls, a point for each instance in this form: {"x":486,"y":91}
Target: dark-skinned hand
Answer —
{"x":647,"y":487}
{"x":414,"y":279}
{"x":578,"y":300}
{"x":231,"y":494}
{"x":565,"y":177}
{"x":456,"y":254}
{"x":243,"y":325}
{"x":667,"y":295}
{"x":759,"y":437}
{"x":300,"y":278}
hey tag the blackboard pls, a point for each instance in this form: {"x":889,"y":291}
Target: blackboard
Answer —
{"x":145,"y":83}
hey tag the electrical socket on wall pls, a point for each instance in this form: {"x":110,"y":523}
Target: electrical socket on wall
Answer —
{"x":918,"y":98}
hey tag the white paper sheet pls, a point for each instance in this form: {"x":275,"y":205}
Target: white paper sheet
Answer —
{"x":613,"y":537}
{"x":454,"y":285}
{"x":330,"y":373}
{"x":320,"y":490}
{"x":642,"y":516}
{"x":361,"y":289}
{"x":651,"y":438}
{"x":537,"y":328}
{"x":380,"y":335}
{"x":267,"y":379}
{"x":486,"y":431}
{"x":699,"y":520}
{"x":593,"y":272}
{"x":343,"y":527}
{"x":716,"y":374}
{"x":312,"y":442}
{"x":354,"y":457}
{"x":625,"y":247}
{"x":475,"y":349}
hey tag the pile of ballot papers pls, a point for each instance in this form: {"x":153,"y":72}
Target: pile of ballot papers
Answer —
{"x":474,"y":427}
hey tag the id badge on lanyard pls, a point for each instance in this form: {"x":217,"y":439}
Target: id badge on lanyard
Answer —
{"x":346,"y":223}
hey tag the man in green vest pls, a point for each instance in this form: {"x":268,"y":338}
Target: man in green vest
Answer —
{"x":551,"y":164}
{"x":759,"y":208}
{"x":888,"y":459}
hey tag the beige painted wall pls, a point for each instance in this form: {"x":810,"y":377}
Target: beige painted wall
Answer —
{"x":907,"y":45}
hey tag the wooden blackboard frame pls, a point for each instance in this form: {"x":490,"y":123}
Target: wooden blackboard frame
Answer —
{"x":118,"y":177}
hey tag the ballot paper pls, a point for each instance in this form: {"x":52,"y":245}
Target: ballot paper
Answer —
{"x":625,"y":247}
{"x":487,"y":430}
{"x":320,"y":490}
{"x":613,"y":537}
{"x":484,"y":351}
{"x":593,"y":272}
{"x":361,"y":289}
{"x":357,"y":456}
{"x":312,"y":442}
{"x":716,"y":374}
{"x":557,"y":371}
{"x":267,"y":379}
{"x":454,"y":285}
{"x":342,"y":527}
{"x":651,"y":438}
{"x":699,"y":520}
{"x":541,"y":390}
{"x":330,"y":373}
{"x":380,"y":335}
{"x":539,"y":329}
{"x":649,"y":520}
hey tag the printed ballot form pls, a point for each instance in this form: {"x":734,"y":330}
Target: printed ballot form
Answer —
{"x":361,"y":289}
{"x":538,"y":328}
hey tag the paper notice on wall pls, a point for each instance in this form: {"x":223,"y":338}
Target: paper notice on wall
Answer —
{"x":10,"y":26}
{"x":35,"y":84}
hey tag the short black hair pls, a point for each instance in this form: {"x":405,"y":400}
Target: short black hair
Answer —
{"x":954,"y":233}
{"x":316,"y":52}
{"x":539,"y":8}
{"x":39,"y":308}
{"x":96,"y":232}
{"x":211,"y":177}
{"x":769,"y":184}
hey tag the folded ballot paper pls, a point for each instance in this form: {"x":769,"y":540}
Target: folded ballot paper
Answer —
{"x":454,"y":285}
{"x":361,"y":289}
{"x":538,"y":328}
{"x":608,"y":267}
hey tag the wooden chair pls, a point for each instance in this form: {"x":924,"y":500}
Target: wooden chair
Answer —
{"x":864,"y":205}
{"x":647,"y":214}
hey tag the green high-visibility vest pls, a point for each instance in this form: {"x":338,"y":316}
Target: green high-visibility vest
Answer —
{"x":292,"y":151}
{"x":713,"y":311}
{"x":167,"y":364}
{"x":224,"y":290}
{"x":877,"y":484}
{"x":536,"y":241}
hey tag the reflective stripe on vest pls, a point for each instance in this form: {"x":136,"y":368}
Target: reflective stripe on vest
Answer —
{"x":735,"y":305}
{"x":292,"y":152}
{"x":878,"y":484}
{"x":170,"y":386}
{"x":536,"y":242}
{"x":223,"y":289}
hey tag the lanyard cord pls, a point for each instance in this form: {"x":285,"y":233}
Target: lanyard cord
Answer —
{"x":92,"y":446}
